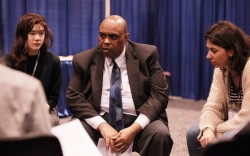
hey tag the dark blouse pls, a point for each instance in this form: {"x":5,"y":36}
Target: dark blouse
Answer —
{"x":236,"y":95}
{"x":48,"y":71}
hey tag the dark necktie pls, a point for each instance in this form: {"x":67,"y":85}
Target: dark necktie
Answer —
{"x":115,"y":100}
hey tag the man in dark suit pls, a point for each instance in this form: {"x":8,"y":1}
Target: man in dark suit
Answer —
{"x":144,"y":92}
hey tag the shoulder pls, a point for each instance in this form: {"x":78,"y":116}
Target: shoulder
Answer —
{"x":86,"y":55}
{"x":247,"y":66}
{"x":138,"y":47}
{"x":220,"y":76}
{"x":88,"y":52}
{"x":8,"y":60}
{"x":246,"y":71}
{"x":217,"y":71}
{"x":50,"y":56}
{"x":141,"y":51}
{"x":17,"y":79}
{"x":50,"y":60}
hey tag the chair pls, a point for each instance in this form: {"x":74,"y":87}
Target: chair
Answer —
{"x":227,"y":148}
{"x":32,"y":146}
{"x":237,"y":145}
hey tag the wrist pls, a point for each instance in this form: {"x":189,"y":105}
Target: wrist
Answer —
{"x":206,"y":129}
{"x":101,"y":126}
{"x":136,"y":127}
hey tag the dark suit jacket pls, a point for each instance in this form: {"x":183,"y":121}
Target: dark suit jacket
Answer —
{"x":48,"y":72}
{"x":148,"y":85}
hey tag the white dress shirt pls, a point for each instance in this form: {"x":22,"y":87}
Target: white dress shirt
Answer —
{"x":127,"y":100}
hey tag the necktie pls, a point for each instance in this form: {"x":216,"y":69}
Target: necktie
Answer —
{"x":115,"y":100}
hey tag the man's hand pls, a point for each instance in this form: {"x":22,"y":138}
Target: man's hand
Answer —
{"x":125,"y":137}
{"x":207,"y":137}
{"x":107,"y":133}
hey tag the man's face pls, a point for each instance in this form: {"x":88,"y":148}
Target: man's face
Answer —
{"x":112,"y":38}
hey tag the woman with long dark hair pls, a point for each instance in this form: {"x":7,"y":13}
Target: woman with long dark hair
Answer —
{"x":30,"y":54}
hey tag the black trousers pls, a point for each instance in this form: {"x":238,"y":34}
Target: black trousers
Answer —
{"x":154,"y":139}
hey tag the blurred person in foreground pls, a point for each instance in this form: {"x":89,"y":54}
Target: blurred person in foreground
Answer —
{"x":227,"y":105}
{"x":144,"y":92}
{"x":22,"y":106}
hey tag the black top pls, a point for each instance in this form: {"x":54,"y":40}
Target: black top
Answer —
{"x":236,"y":95}
{"x":48,"y":71}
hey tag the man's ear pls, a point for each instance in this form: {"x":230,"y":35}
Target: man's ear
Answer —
{"x":127,"y":36}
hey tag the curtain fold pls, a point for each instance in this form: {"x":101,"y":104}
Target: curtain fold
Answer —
{"x":178,"y":28}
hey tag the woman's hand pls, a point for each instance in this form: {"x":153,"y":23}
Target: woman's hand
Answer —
{"x":207,"y":137}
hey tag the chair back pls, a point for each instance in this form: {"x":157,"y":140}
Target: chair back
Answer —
{"x":32,"y":146}
{"x":236,"y":145}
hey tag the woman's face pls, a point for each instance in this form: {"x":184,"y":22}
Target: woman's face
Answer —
{"x":35,"y":39}
{"x":218,"y":56}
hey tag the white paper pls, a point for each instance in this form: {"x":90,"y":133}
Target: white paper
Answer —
{"x":102,"y":148}
{"x":74,"y":139}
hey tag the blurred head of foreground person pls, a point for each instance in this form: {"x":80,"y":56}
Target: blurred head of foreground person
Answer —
{"x":22,"y":108}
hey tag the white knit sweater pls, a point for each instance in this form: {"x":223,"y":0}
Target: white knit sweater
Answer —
{"x":215,"y":112}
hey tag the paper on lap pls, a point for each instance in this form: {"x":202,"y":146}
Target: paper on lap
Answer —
{"x":102,"y":148}
{"x":74,"y":139}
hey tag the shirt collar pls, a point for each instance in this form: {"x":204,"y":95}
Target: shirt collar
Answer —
{"x":108,"y":61}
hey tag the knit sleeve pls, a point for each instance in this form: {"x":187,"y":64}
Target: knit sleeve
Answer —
{"x":214,"y":111}
{"x":244,"y":113}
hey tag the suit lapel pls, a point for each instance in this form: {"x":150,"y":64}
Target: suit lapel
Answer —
{"x":133,"y":74}
{"x":96,"y":77}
